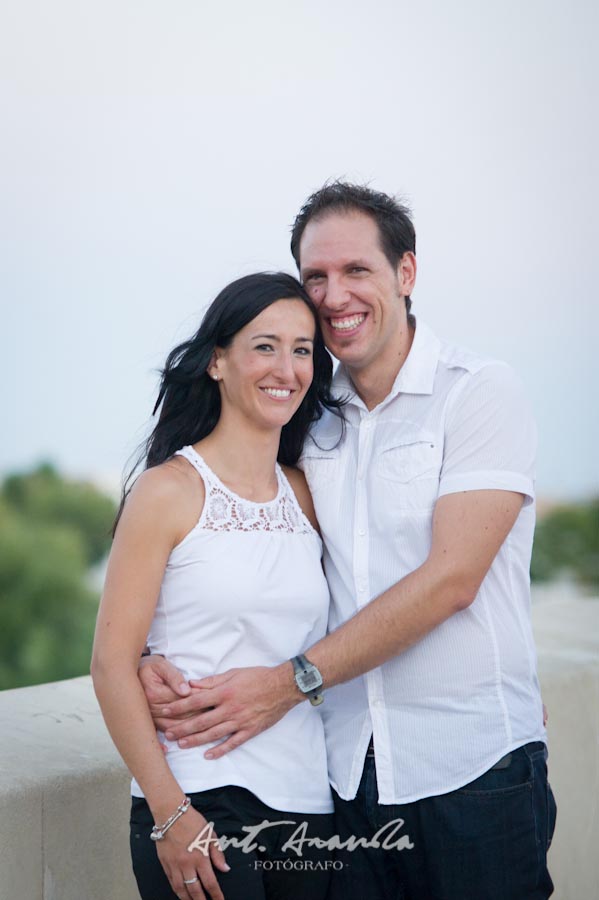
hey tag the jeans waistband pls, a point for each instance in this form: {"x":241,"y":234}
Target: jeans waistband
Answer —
{"x":503,"y":763}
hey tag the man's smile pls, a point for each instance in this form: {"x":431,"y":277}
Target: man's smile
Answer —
{"x":347,"y":324}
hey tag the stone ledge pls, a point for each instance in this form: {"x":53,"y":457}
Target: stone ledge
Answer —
{"x":64,"y":796}
{"x":64,"y":792}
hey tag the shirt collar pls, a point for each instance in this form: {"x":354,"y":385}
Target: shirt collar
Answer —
{"x":416,"y":376}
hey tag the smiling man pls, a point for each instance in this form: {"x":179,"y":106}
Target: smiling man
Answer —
{"x":426,"y":504}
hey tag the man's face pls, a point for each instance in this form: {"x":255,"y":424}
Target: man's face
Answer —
{"x":357,"y":292}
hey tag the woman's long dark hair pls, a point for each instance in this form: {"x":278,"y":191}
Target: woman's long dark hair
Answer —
{"x":189,"y":400}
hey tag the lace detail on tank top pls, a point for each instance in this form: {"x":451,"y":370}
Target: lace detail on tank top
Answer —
{"x":225,"y":511}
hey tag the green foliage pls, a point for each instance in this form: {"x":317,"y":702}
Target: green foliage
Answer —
{"x":43,"y":497}
{"x":51,"y":531}
{"x":567,"y":541}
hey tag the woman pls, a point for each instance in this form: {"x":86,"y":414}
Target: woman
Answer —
{"x":216,"y":562}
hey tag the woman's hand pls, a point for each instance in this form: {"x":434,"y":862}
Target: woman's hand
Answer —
{"x":183,"y":865}
{"x":162,"y":683}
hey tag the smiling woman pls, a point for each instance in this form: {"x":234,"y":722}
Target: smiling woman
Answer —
{"x":190,"y":398}
{"x":266,"y":371}
{"x":216,"y":561}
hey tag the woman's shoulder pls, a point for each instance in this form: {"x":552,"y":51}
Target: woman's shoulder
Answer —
{"x":171,"y":480}
{"x":172,"y":492}
{"x":299,"y":485}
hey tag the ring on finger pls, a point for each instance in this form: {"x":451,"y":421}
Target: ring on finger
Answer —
{"x":190,"y":880}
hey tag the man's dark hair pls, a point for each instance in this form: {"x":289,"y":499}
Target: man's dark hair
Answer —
{"x":392,"y":218}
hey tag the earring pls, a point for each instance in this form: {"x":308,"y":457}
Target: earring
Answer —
{"x":215,"y":377}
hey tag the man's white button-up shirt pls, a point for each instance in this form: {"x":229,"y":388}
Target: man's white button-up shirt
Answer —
{"x":449,"y":707}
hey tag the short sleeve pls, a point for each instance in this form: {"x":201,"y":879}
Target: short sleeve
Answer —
{"x":490,"y":435}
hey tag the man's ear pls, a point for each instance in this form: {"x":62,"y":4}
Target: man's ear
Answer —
{"x":406,"y":273}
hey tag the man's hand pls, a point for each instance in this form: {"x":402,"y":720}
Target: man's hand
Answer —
{"x":232,"y":707}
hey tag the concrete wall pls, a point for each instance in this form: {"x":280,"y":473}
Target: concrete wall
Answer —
{"x":63,"y":798}
{"x":64,"y":792}
{"x":567,"y":636}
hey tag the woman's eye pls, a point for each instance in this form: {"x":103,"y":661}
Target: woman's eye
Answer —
{"x":303,"y":351}
{"x":264,"y":347}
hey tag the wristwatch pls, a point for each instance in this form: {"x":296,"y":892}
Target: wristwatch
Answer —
{"x":308,"y":679}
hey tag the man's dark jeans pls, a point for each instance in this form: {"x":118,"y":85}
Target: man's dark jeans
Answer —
{"x":485,"y":841}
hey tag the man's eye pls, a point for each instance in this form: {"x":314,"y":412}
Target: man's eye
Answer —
{"x":357,"y":269}
{"x":316,"y":276}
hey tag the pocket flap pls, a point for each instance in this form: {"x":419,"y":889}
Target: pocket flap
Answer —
{"x":408,"y":453}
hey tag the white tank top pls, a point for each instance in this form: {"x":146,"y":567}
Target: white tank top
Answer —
{"x":246,"y":587}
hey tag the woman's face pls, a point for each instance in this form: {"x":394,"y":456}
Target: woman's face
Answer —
{"x":268,"y":367}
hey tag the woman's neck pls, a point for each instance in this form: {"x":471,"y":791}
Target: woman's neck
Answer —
{"x":243,"y":458}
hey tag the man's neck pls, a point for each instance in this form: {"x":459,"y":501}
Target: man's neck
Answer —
{"x":374,"y":382}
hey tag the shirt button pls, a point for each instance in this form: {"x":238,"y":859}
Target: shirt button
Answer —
{"x":367,"y":424}
{"x":361,"y":532}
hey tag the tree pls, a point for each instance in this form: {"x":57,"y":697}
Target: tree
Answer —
{"x":44,"y":497}
{"x":567,"y":540}
{"x":51,"y":531}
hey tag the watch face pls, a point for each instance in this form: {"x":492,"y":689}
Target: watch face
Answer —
{"x":309,"y":679}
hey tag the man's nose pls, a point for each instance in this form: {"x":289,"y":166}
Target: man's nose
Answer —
{"x":337,"y":296}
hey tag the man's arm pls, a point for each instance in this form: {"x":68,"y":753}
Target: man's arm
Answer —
{"x":468,"y":531}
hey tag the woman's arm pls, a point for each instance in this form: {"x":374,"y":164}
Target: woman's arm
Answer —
{"x":161,"y":509}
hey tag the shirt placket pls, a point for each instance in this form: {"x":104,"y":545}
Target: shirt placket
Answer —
{"x":361,"y":536}
{"x":361,"y":529}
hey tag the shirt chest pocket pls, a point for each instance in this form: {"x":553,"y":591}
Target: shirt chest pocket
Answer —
{"x":408,"y":469}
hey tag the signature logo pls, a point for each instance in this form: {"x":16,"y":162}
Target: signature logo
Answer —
{"x":386,"y":838}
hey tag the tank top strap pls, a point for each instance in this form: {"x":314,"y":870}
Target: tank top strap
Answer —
{"x":199,"y":465}
{"x":294,"y":512}
{"x":285,"y":489}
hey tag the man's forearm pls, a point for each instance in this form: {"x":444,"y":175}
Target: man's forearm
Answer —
{"x":242,"y":702}
{"x":468,"y":531}
{"x":387,"y":626}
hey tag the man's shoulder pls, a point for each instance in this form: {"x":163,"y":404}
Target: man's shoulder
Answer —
{"x":467,"y":378}
{"x":452,"y":356}
{"x":476,"y":368}
{"x":455,"y":363}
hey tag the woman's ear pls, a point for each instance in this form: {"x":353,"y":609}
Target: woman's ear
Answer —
{"x":213,"y":366}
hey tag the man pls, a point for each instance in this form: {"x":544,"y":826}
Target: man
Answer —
{"x":426,"y":504}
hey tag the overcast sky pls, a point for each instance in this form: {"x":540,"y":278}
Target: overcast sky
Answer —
{"x":153,"y":151}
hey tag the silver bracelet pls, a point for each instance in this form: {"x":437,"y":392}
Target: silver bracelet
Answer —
{"x":158,"y":831}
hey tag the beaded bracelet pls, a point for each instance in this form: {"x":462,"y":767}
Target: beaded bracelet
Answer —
{"x":158,"y":832}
